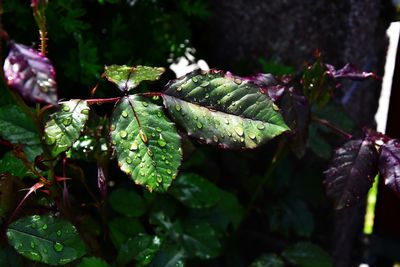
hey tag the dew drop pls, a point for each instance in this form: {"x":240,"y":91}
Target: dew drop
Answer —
{"x":239,"y":130}
{"x":145,"y":104}
{"x":238,"y":81}
{"x":179,"y":89}
{"x":159,"y":114}
{"x":178,"y":107}
{"x":67,"y":121}
{"x":275,"y":107}
{"x":215,"y":138}
{"x":66,"y":108}
{"x":161,"y":142}
{"x":58,"y":233}
{"x":150,"y":152}
{"x":159,"y":179}
{"x":35,"y":256}
{"x":112,"y":128}
{"x":226,"y":121}
{"x":204,"y":84}
{"x":163,"y":157}
{"x":123,"y":134}
{"x":85,"y":111}
{"x":260,"y":126}
{"x":33,"y":245}
{"x":158,"y":129}
{"x":207,"y":96}
{"x":143,"y":136}
{"x":128,"y":160}
{"x":124,"y":114}
{"x":252,"y":136}
{"x":33,"y":225}
{"x":142,"y":173}
{"x":58,"y":247}
{"x":199,"y":125}
{"x":195,"y":80}
{"x":169,"y":171}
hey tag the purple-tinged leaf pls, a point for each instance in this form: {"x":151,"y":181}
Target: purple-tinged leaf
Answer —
{"x":296,"y":112}
{"x":389,"y":164}
{"x":31,"y":74}
{"x":348,"y":71}
{"x":269,"y":85}
{"x":351,"y":172}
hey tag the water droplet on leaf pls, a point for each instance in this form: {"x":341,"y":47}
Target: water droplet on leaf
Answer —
{"x":239,"y":130}
{"x":58,"y":247}
{"x":65,"y":108}
{"x":238,"y":81}
{"x":178,"y":107}
{"x":67,"y":121}
{"x":199,"y":125}
{"x":204,"y":84}
{"x":124,"y":114}
{"x":123,"y":134}
{"x":260,"y":126}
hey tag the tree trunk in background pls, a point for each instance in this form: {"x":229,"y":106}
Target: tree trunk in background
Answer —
{"x":289,"y":31}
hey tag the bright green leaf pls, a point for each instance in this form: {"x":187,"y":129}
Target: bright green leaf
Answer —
{"x":200,"y":240}
{"x":268,"y":260}
{"x":141,"y":248}
{"x":194,"y":191}
{"x":127,"y":202}
{"x":92,"y":262}
{"x":127,"y":78}
{"x":146,"y":142}
{"x":223,"y":109}
{"x":64,"y":126}
{"x":306,"y":254}
{"x":46,"y":239}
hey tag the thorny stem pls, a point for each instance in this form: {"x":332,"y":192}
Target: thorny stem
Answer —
{"x":331,"y":126}
{"x":40,"y":17}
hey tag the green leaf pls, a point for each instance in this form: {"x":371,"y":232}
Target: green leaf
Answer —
{"x":200,"y":240}
{"x":9,"y":163}
{"x":268,"y":260}
{"x":146,"y":142}
{"x":306,"y":254}
{"x":18,"y":128}
{"x":127,"y":202}
{"x":127,"y":78}
{"x":46,"y":239}
{"x":92,"y":262}
{"x":7,"y":194}
{"x":169,"y":256}
{"x":123,"y":228}
{"x":223,"y":109}
{"x":194,"y":191}
{"x":64,"y":126}
{"x":142,"y":248}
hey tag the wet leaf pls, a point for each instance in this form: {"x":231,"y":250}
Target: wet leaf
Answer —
{"x":351,"y":172}
{"x":141,"y":248}
{"x":17,"y":128}
{"x":9,"y":163}
{"x":194,"y":191}
{"x":31,"y":74}
{"x":223,"y":109}
{"x":305,"y":254}
{"x":146,"y":142}
{"x":169,"y":256}
{"x":389,"y":164}
{"x":65,"y":126}
{"x":92,"y":262}
{"x":127,"y":202}
{"x":127,"y":78}
{"x":268,"y":260}
{"x":123,"y":228}
{"x":46,"y":239}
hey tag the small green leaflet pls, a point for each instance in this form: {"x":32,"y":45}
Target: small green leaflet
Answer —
{"x":65,"y":126}
{"x":223,"y":109}
{"x":127,"y":78}
{"x":46,"y":239}
{"x":146,"y":142}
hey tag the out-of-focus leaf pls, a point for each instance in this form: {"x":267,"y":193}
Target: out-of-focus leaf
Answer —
{"x":146,"y":142}
{"x":46,"y":239}
{"x":316,"y":87}
{"x":18,"y":128}
{"x":169,"y":256}
{"x":351,"y":172}
{"x":127,"y":202}
{"x":389,"y":164}
{"x":276,"y":68}
{"x":92,"y":262}
{"x":200,"y":240}
{"x":296,"y":112}
{"x":9,"y":257}
{"x":223,"y":109}
{"x":128,"y":78}
{"x":348,"y":71}
{"x":12,"y":165}
{"x":7,"y":194}
{"x":65,"y":126}
{"x":305,"y":254}
{"x":123,"y":228}
{"x":268,"y":260}
{"x":141,"y":248}
{"x":317,"y":143}
{"x":31,"y":74}
{"x":194,"y":191}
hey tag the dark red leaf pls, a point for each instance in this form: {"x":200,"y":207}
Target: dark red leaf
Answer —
{"x":351,"y":173}
{"x":389,"y":164}
{"x":348,"y":71}
{"x":269,"y":84}
{"x":31,"y":74}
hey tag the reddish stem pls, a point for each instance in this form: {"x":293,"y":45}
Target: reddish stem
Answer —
{"x":150,"y":94}
{"x":332,"y":127}
{"x":102,"y":100}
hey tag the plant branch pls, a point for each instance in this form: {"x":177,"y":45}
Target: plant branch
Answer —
{"x":331,"y":126}
{"x":102,"y":100}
